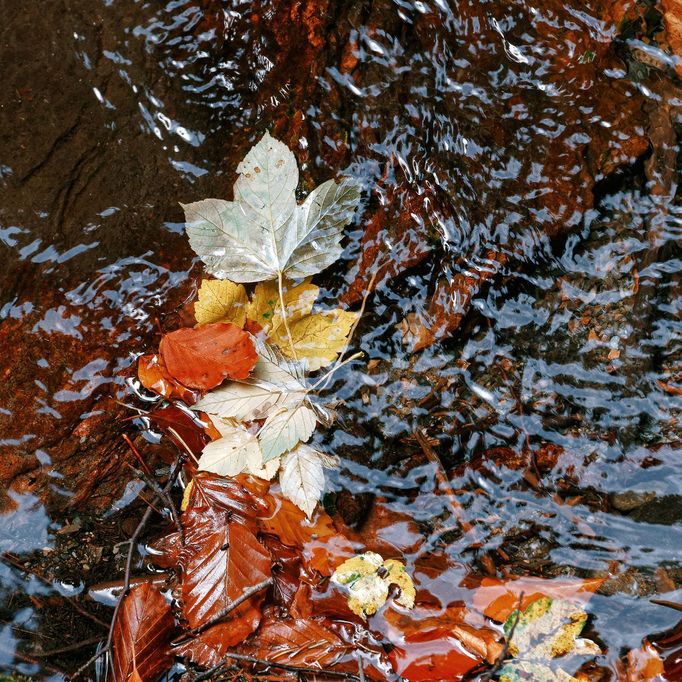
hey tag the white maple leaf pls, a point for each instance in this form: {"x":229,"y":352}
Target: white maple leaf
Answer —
{"x":236,"y":452}
{"x":301,"y":476}
{"x":263,"y":234}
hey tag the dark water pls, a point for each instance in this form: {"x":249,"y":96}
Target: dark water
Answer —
{"x":530,"y":145}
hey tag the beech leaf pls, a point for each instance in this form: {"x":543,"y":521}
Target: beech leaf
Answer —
{"x":204,"y":357}
{"x":263,"y":234}
{"x":141,"y":635}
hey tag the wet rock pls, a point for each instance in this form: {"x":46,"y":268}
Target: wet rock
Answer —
{"x":628,"y":500}
{"x":665,"y":510}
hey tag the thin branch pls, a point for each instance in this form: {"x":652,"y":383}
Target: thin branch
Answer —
{"x":66,"y":649}
{"x":336,"y":366}
{"x":272,"y":664}
{"x":669,"y":604}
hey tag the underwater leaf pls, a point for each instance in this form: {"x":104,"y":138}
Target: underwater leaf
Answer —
{"x":263,"y":234}
{"x":205,"y":356}
{"x":302,"y":477}
{"x":221,"y":301}
{"x":141,"y":635}
{"x":368,"y":578}
{"x":284,"y":428}
{"x":236,"y":452}
{"x":275,"y":382}
{"x":547,"y":629}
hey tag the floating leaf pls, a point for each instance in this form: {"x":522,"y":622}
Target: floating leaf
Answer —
{"x":368,"y":578}
{"x":547,"y":629}
{"x":265,"y":306}
{"x":204,"y":357}
{"x":221,"y":301}
{"x":154,"y":376}
{"x":142,"y":633}
{"x":302,"y":477}
{"x":236,"y":452}
{"x":275,"y":382}
{"x":263,"y":234}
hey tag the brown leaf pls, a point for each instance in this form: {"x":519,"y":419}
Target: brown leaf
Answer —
{"x":222,"y":557}
{"x":205,"y":356}
{"x":141,"y":637}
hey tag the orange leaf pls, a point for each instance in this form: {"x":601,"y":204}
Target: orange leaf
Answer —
{"x":154,"y":376}
{"x":141,"y":637}
{"x":498,"y":598}
{"x":205,"y":356}
{"x":644,"y":664}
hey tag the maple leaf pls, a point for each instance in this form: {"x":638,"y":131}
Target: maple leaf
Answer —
{"x":204,"y":357}
{"x":221,"y":301}
{"x":368,"y":577}
{"x":547,"y":629}
{"x":302,"y":476}
{"x":237,"y":451}
{"x":141,"y":635}
{"x":263,"y":234}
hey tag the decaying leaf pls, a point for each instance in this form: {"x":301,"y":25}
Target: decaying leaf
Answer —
{"x":263,"y":234}
{"x":237,"y":451}
{"x":368,"y":578}
{"x":221,"y":301}
{"x":302,"y":476}
{"x":142,"y":633}
{"x":547,"y":629}
{"x":204,"y":357}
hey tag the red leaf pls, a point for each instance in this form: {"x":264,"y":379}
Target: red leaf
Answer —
{"x":222,"y":557}
{"x":188,"y":427}
{"x":205,"y":356}
{"x":154,"y":376}
{"x":142,"y":633}
{"x":498,"y":598}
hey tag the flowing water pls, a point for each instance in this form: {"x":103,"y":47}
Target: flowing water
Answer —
{"x":520,"y":165}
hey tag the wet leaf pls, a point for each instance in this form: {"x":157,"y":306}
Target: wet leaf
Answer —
{"x":368,"y":578}
{"x":284,"y":428}
{"x":265,"y":307}
{"x":302,"y":477}
{"x":221,"y":301}
{"x":263,"y":234}
{"x":546,"y":629}
{"x":204,"y":357}
{"x":142,"y":633}
{"x":236,"y":452}
{"x":222,"y":556}
{"x":154,"y":376}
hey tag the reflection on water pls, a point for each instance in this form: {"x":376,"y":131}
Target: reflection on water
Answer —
{"x":508,"y":143}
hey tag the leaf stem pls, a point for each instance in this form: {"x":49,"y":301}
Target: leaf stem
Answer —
{"x":338,"y":365}
{"x":280,"y":288}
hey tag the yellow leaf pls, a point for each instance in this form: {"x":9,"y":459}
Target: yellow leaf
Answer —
{"x":397,"y":575}
{"x":265,"y":306}
{"x":221,"y":301}
{"x":185,"y":496}
{"x":319,"y":337}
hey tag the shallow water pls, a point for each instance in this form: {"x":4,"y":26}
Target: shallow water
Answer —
{"x":477,"y":130}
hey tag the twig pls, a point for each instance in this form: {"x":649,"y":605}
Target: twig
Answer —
{"x":65,"y":649}
{"x":272,"y":664}
{"x":669,"y":604}
{"x":505,"y":649}
{"x":361,"y":670}
{"x":231,"y":607}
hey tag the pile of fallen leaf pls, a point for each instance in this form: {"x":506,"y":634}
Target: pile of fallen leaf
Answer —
{"x":257,"y":581}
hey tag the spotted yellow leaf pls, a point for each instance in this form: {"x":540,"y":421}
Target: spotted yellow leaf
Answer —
{"x":367,"y":577}
{"x":221,"y":301}
{"x":265,"y":304}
